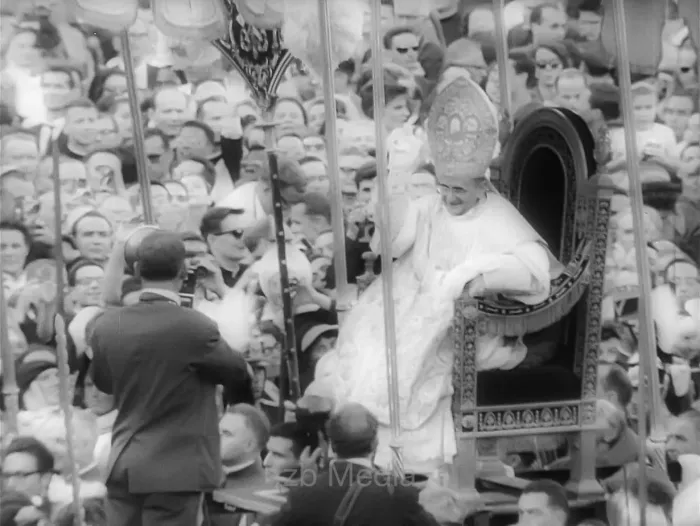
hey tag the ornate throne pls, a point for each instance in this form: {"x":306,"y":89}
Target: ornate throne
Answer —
{"x":545,"y":170}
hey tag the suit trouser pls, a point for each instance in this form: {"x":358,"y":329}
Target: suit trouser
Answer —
{"x":152,"y":509}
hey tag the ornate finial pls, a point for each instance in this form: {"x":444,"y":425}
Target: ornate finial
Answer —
{"x":462,"y":130}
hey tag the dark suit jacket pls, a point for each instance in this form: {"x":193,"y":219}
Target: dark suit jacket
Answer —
{"x":162,"y":363}
{"x":379,"y":503}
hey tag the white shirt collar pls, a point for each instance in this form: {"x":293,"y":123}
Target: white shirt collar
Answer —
{"x":168,"y":294}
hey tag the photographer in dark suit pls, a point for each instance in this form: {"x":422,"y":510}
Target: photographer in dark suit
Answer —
{"x":353,"y":491}
{"x":162,"y":362}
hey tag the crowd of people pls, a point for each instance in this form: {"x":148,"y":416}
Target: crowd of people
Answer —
{"x":67,"y":140}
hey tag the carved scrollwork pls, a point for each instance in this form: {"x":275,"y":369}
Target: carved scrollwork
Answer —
{"x":527,"y":419}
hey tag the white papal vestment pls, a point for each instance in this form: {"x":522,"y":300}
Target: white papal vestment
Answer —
{"x":438,"y":254}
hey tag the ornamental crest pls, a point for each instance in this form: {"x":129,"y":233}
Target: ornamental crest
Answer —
{"x":462,"y":130}
{"x":258,"y":54}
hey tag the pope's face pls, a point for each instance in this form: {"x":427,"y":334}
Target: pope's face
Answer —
{"x":459,"y":195}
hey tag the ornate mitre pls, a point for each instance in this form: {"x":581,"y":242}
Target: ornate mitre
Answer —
{"x":462,"y":130}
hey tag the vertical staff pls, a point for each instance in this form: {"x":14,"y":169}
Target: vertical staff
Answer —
{"x":10,"y":391}
{"x":647,"y":339}
{"x":137,"y":125}
{"x":343,"y":293}
{"x":58,"y":223}
{"x":290,"y":384}
{"x":60,"y":332}
{"x":377,"y":48}
{"x":502,"y":56}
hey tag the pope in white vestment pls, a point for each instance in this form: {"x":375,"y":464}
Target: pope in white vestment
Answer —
{"x":468,"y":235}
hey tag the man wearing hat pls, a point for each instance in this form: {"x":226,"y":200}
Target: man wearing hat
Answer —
{"x":466,"y":237}
{"x":353,"y":490}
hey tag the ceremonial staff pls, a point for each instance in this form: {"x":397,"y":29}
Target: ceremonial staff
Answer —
{"x":344,"y":293}
{"x":649,"y":379}
{"x":274,"y":59}
{"x":377,"y":48}
{"x":290,"y":384}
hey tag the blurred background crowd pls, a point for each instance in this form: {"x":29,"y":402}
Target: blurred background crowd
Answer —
{"x":64,"y":104}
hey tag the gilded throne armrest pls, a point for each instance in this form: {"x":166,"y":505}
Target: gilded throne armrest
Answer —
{"x":499,"y":315}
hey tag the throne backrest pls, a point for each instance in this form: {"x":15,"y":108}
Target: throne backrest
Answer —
{"x":545,"y":163}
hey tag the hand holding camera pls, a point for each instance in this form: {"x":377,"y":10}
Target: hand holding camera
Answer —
{"x":208,"y":275}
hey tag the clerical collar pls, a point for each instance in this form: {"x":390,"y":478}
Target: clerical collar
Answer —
{"x":167,"y":294}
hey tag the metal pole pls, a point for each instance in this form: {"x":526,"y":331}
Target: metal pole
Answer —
{"x":343,"y":292}
{"x":67,"y":408}
{"x":647,"y":338}
{"x":10,"y":392}
{"x":137,"y":125}
{"x":506,"y":106}
{"x":377,"y":49}
{"x":60,"y":331}
{"x":58,"y":222}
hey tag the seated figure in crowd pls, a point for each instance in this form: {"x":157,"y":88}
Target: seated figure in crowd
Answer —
{"x":467,"y":235}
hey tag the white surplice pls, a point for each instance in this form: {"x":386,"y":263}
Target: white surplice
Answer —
{"x":437,"y":255}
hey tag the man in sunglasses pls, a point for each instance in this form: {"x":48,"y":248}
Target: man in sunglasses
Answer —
{"x":402,"y":44}
{"x":223,"y":229}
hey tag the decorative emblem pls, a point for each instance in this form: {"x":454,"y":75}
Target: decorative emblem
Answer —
{"x":258,"y":54}
{"x":462,"y":130}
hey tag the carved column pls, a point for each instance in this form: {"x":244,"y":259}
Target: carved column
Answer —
{"x":582,"y":479}
{"x":462,"y":474}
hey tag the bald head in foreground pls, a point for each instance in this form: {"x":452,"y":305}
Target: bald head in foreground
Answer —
{"x":352,"y":431}
{"x":352,"y":490}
